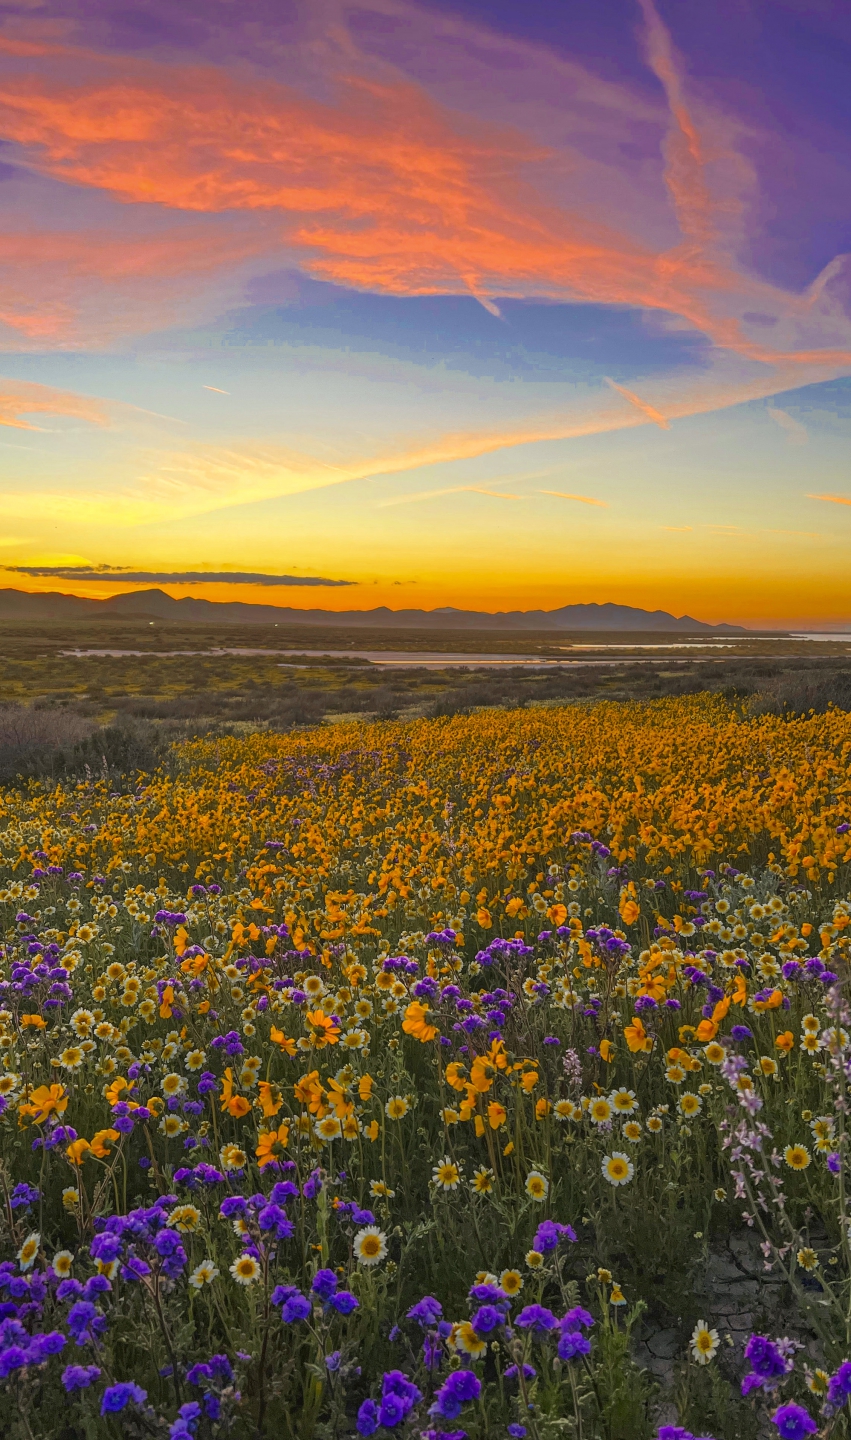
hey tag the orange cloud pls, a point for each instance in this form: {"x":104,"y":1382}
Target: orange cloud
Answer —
{"x":832,"y":499}
{"x":18,"y":398}
{"x":641,"y":405}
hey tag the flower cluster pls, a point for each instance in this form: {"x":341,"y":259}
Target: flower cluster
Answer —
{"x":290,"y":1034}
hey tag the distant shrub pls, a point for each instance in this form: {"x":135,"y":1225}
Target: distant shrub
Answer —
{"x":43,"y":743}
{"x":123,"y":749}
{"x":797,"y":692}
{"x":38,"y":740}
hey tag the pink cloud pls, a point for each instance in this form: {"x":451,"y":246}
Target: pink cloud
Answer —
{"x":19,"y":398}
{"x":93,"y":286}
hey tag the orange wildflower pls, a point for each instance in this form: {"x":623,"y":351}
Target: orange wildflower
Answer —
{"x":309,"y":1092}
{"x":339,"y":1100}
{"x":773,"y":1002}
{"x":636,"y":1036}
{"x":44,"y":1101}
{"x":235,"y":1105}
{"x":415,"y":1023}
{"x":103,"y":1142}
{"x":279,"y":1038}
{"x":76,"y":1151}
{"x":270,"y":1098}
{"x":628,"y":908}
{"x":324,"y":1029}
{"x":271,"y":1145}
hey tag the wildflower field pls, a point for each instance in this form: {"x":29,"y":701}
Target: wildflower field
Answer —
{"x":416,"y":1078}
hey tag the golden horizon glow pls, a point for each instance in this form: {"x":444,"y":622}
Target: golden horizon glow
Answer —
{"x":707,"y":600}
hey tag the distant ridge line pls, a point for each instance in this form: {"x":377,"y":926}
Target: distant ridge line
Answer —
{"x":156,"y":604}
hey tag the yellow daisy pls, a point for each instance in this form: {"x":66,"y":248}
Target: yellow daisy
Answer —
{"x":29,"y":1250}
{"x":797,"y":1157}
{"x":203,"y":1274}
{"x":245,"y":1270}
{"x":465,"y":1338}
{"x":618,"y":1169}
{"x":511,"y":1282}
{"x":370,"y":1245}
{"x":537,"y":1186}
{"x":446,"y":1175}
{"x":704,"y":1343}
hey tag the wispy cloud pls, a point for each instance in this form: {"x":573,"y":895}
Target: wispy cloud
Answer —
{"x":169,"y":577}
{"x":583,"y":499}
{"x":685,"y":167}
{"x":209,"y":477}
{"x":795,"y":431}
{"x":738,"y":532}
{"x":200,"y":479}
{"x":89,"y":287}
{"x":832,"y":499}
{"x":448,"y":490}
{"x":382,"y":186}
{"x":642,"y":406}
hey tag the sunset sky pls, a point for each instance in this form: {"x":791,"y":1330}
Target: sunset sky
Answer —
{"x":467,"y":302}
